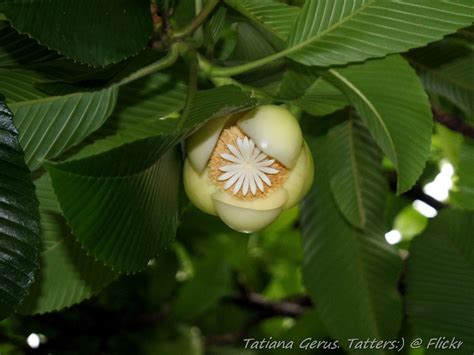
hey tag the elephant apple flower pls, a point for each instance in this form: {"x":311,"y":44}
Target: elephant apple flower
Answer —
{"x":248,"y":167}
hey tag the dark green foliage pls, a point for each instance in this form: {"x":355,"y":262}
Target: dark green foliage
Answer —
{"x":100,"y":250}
{"x":98,"y":32}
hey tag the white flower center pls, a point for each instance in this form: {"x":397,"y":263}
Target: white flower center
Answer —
{"x":248,"y":168}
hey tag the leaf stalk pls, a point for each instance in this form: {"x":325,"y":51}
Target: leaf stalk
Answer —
{"x":214,"y":71}
{"x":168,"y":60}
{"x":191,"y":27}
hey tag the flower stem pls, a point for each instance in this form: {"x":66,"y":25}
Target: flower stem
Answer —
{"x":197,"y":21}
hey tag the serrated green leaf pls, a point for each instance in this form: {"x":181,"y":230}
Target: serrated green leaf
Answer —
{"x":339,"y":32}
{"x":274,"y":16}
{"x":321,"y":99}
{"x":19,"y":219}
{"x":296,"y":81}
{"x":454,"y":80}
{"x":125,"y":217}
{"x":65,"y":72}
{"x":355,"y":169}
{"x":446,"y":68}
{"x":251,"y":44}
{"x":122,"y":204}
{"x":20,"y":49}
{"x":463,"y":194}
{"x":81,"y":276}
{"x":436,"y":54}
{"x":388,"y":96}
{"x":49,"y":125}
{"x":142,"y":111}
{"x":351,"y":273}
{"x":440,"y":280}
{"x":215,"y":26}
{"x":96,"y":32}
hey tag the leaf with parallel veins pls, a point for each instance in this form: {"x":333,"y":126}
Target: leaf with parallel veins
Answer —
{"x":339,"y":32}
{"x":395,"y":110}
{"x":356,"y":173}
{"x":81,"y":275}
{"x":122,"y":203}
{"x":50,"y":125}
{"x":365,"y":266}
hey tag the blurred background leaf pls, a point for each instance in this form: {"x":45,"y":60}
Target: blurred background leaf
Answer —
{"x":440,"y":279}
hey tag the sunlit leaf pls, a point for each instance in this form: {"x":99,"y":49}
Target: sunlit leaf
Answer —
{"x":389,"y":98}
{"x":338,"y":32}
{"x":357,"y":179}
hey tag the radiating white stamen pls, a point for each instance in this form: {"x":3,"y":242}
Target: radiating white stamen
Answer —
{"x":231,"y":158}
{"x":247,"y":169}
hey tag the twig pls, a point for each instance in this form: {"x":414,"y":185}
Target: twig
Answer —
{"x":268,"y":309}
{"x":416,"y":193}
{"x":265,"y":309}
{"x":166,"y":15}
{"x":154,"y":13}
{"x":453,"y":123}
